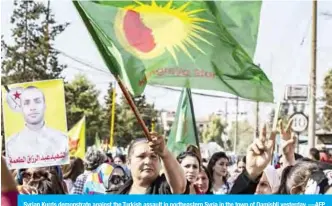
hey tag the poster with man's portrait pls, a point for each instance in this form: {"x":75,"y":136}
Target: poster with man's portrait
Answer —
{"x":35,"y":123}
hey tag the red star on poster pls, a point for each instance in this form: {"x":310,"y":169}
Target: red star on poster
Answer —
{"x":17,"y":95}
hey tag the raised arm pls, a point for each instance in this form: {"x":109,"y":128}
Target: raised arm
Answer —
{"x":288,"y":145}
{"x":172,"y":169}
{"x":259,"y":155}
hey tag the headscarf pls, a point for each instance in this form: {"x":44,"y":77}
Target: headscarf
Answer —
{"x":115,"y":182}
{"x":272,"y":177}
{"x":97,"y":181}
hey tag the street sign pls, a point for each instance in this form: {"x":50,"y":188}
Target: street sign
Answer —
{"x":296,"y":92}
{"x":300,"y":122}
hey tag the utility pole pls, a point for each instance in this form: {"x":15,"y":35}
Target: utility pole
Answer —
{"x":236,"y":124}
{"x":257,"y":113}
{"x":312,"y":97}
{"x":257,"y":119}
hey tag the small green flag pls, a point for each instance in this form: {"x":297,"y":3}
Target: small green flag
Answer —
{"x":183,"y":132}
{"x":196,"y":44}
{"x":97,"y":141}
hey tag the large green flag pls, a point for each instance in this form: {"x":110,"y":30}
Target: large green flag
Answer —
{"x":183,"y":132}
{"x":196,"y":44}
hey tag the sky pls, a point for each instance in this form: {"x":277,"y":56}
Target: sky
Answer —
{"x":283,"y":51}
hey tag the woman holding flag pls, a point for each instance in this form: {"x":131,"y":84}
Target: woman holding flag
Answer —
{"x":144,"y":160}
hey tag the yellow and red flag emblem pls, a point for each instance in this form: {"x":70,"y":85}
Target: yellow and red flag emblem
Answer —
{"x":77,"y":139}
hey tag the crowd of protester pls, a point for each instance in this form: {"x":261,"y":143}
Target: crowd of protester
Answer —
{"x":150,"y":168}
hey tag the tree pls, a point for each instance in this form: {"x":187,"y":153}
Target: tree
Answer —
{"x":245,"y":136}
{"x":285,"y":113}
{"x":82,"y":99}
{"x":128,"y":127}
{"x":214,"y":131}
{"x":327,"y":110}
{"x":32,"y":56}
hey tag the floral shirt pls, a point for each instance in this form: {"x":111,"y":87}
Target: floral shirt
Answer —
{"x":224,"y":189}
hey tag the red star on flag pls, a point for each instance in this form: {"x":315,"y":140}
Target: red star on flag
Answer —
{"x":17,"y":95}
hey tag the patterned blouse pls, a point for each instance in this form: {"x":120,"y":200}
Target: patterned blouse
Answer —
{"x":224,"y":189}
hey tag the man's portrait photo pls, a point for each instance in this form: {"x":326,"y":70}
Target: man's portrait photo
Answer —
{"x":35,"y":124}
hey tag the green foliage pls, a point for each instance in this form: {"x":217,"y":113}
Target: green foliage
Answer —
{"x":327,"y":110}
{"x":214,"y":131}
{"x":245,"y":136}
{"x":285,"y":113}
{"x":32,"y":57}
{"x":82,"y":99}
{"x":128,"y":127}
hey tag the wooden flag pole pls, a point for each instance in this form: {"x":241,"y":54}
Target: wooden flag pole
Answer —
{"x":134,"y":108}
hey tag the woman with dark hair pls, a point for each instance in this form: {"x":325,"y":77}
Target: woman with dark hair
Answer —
{"x":24,"y":176}
{"x":190,"y":164}
{"x":306,"y":177}
{"x":241,"y":164}
{"x":203,"y":181}
{"x":218,"y":169}
{"x":144,"y":160}
{"x":46,"y":182}
{"x":110,"y":158}
{"x":314,"y":154}
{"x":239,"y":168}
{"x":71,"y":171}
{"x":121,"y":160}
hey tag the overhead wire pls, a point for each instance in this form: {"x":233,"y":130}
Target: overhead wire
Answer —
{"x":104,"y":71}
{"x":83,"y":63}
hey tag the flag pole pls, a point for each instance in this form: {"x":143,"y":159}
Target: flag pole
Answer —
{"x":194,"y":120}
{"x":112,"y":116}
{"x":109,"y":64}
{"x":133,"y":108}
